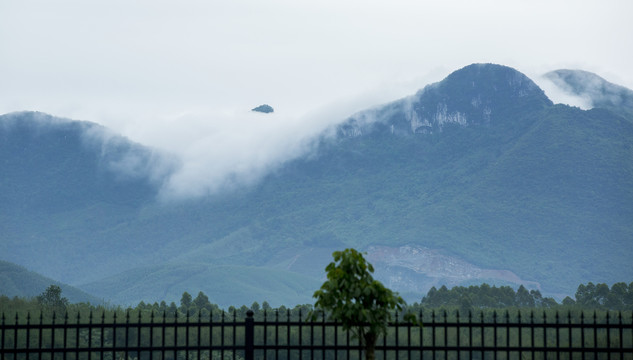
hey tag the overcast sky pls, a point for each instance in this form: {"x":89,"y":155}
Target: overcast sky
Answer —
{"x":183,"y":75}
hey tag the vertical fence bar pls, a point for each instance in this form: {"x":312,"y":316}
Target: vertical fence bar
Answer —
{"x":15,"y":334}
{"x":532,"y":337}
{"x":348,"y":344}
{"x":176,"y":335}
{"x":621,"y":333}
{"x":126,"y":333}
{"x":210,"y":334}
{"x":595,"y":333}
{"x":335,"y":340}
{"x":569,"y":334}
{"x":311,"y":327}
{"x":433,"y":328}
{"x":78,"y":323}
{"x":2,"y":323}
{"x":470,"y":334}
{"x":384,"y":344}
{"x":608,"y":337}
{"x":582,"y":332}
{"x":288,"y":333}
{"x":265,"y":334}
{"x":234,"y":339}
{"x":151,"y":335}
{"x":507,"y":321}
{"x":199,"y":335}
{"x":187,"y":330}
{"x":89,"y":349}
{"x":483,"y":334}
{"x":409,"y":329}
{"x":65,"y":336}
{"x":249,"y":330}
{"x":222,"y":336}
{"x":445,"y":334}
{"x":39,"y":336}
{"x":323,"y":342}
{"x":162,"y":335}
{"x":557,"y":327}
{"x":544,"y":334}
{"x":300,"y":340}
{"x":28,"y":331}
{"x":421,"y":334}
{"x":277,"y":333}
{"x":494,"y":338}
{"x":396,"y":340}
{"x":138,"y":334}
{"x":101,"y":335}
{"x":114,"y":328}
{"x":520,"y":330}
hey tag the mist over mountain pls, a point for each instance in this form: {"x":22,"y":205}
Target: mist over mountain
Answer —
{"x":466,"y":98}
{"x":479,"y":177}
{"x":594,"y":89}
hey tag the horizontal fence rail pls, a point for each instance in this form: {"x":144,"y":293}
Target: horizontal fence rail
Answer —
{"x":271,"y":335}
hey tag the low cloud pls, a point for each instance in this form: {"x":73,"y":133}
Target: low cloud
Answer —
{"x":562,"y":95}
{"x":182,"y":78}
{"x":220,"y":151}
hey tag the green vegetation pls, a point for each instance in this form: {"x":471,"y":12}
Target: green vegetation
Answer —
{"x":197,"y":322}
{"x":16,"y":280}
{"x":542,"y":190}
{"x":588,"y":297}
{"x":352,"y":296}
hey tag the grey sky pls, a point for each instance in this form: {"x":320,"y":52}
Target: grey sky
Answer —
{"x":183,"y":75}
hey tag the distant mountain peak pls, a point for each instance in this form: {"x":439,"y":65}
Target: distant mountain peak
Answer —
{"x":475,"y":95}
{"x":265,"y":108}
{"x":496,"y":79}
{"x":593,"y":88}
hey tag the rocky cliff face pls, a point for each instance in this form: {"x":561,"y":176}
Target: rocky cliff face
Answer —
{"x":414,"y":269}
{"x":476,"y":95}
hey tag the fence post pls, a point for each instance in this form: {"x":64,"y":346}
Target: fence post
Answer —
{"x":249,"y":335}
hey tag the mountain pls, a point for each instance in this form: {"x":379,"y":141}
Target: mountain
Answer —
{"x":599,"y":92}
{"x":479,"y":177}
{"x":65,"y":186}
{"x":16,"y":280}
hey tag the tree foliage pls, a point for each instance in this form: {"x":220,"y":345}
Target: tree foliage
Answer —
{"x":486,"y":296}
{"x":600,"y":296}
{"x":352,"y":296}
{"x":52,"y":298}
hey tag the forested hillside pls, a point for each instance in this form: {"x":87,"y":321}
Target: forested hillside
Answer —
{"x":479,"y":175}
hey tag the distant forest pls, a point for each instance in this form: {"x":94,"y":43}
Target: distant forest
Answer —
{"x":465,"y":300}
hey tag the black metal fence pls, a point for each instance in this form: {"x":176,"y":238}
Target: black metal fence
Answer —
{"x":493,"y":335}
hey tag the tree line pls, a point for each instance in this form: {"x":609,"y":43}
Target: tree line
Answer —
{"x":590,"y":296}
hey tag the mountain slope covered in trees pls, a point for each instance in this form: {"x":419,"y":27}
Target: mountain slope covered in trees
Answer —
{"x":17,"y":281}
{"x":477,"y":174}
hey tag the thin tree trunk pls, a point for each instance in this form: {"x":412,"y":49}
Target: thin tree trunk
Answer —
{"x":370,"y":346}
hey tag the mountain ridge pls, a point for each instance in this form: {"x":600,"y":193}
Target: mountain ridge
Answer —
{"x":18,"y":281}
{"x":596,"y":90}
{"x":466,"y":97}
{"x":536,"y":188}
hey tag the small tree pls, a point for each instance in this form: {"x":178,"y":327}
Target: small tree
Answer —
{"x":352,"y":296}
{"x":52,"y":299}
{"x":202,"y":301}
{"x":185,"y":302}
